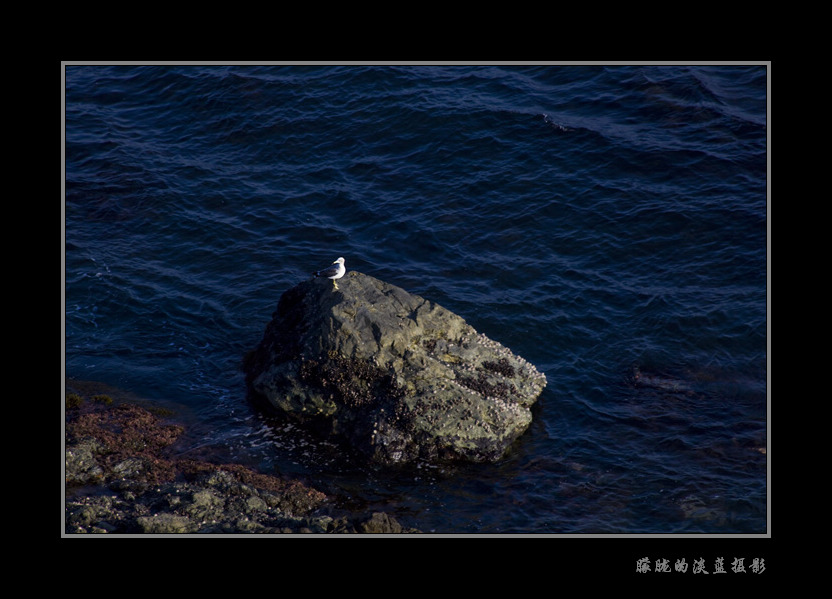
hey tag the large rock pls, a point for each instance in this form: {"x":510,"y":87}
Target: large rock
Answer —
{"x":396,"y":376}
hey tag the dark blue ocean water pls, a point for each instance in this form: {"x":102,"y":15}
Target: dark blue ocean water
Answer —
{"x":605,"y":223}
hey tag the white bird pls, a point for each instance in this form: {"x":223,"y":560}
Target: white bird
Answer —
{"x":336,"y":271}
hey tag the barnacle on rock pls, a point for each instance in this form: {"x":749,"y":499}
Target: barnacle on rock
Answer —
{"x":501,"y":366}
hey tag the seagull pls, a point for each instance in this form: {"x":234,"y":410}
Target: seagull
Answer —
{"x":336,"y":271}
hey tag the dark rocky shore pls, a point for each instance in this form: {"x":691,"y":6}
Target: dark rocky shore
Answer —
{"x":121,"y":477}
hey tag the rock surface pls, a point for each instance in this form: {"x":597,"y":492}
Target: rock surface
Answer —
{"x":121,"y":478}
{"x":396,"y":376}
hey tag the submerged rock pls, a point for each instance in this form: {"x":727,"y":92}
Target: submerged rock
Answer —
{"x":121,"y":477}
{"x":396,"y":376}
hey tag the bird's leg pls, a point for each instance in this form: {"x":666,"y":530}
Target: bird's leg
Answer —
{"x":335,"y":284}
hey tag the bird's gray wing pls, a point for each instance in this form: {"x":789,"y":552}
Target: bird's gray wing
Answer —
{"x":328,"y":272}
